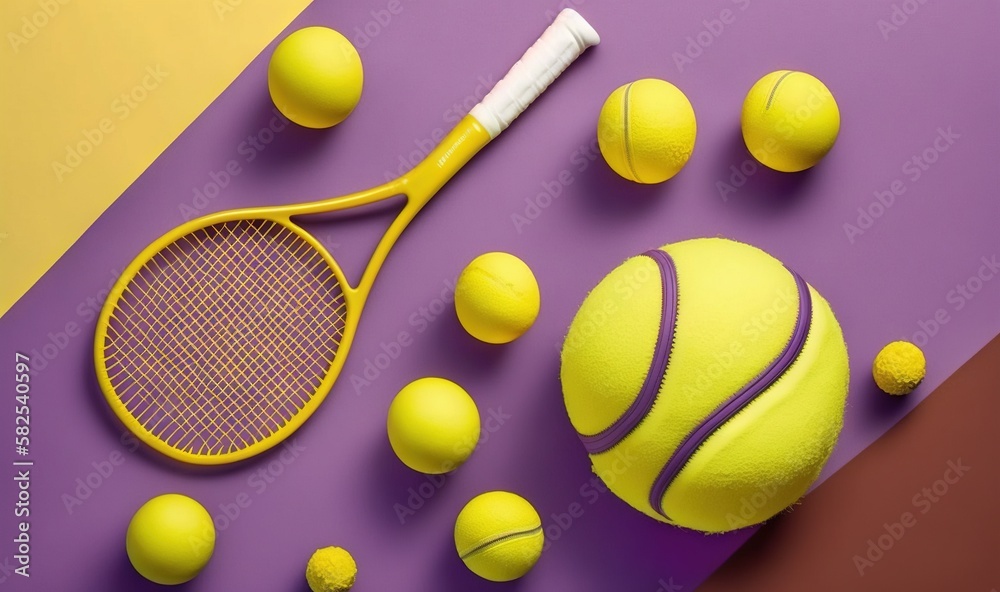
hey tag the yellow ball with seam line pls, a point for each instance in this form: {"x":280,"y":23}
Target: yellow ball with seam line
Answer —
{"x":790,"y":120}
{"x":498,"y":535}
{"x":707,"y":381}
{"x":497,"y":298}
{"x":646,"y":130}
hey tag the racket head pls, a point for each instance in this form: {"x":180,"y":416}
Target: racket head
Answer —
{"x":222,"y":337}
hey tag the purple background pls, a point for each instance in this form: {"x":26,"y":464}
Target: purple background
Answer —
{"x":938,"y":70}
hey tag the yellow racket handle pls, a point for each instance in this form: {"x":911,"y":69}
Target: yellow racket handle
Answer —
{"x":563,"y":41}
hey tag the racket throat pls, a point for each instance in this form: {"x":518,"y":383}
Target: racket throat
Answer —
{"x":444,"y":161}
{"x":420,"y":185}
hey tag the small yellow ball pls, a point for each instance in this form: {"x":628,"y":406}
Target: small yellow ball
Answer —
{"x":497,"y":298}
{"x":899,"y":368}
{"x":170,"y":539}
{"x":498,"y":535}
{"x":790,"y":120}
{"x":315,"y":77}
{"x":433,"y":425}
{"x":331,"y":569}
{"x":646,"y":130}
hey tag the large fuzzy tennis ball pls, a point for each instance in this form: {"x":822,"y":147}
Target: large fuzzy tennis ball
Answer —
{"x":331,"y":569}
{"x":315,"y":77}
{"x":899,"y":368}
{"x":497,"y":298}
{"x":433,"y":425}
{"x":646,"y":130}
{"x":707,"y":381}
{"x":790,"y":120}
{"x":170,"y":539}
{"x":499,"y":536}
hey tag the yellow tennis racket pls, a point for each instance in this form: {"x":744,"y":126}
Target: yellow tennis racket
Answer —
{"x":224,"y":335}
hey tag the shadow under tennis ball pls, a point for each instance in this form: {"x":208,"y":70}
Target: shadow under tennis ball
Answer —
{"x":120,"y":575}
{"x":541,"y":413}
{"x":744,"y":183}
{"x":770,"y":538}
{"x":270,"y":141}
{"x":304,"y":586}
{"x":608,"y":197}
{"x":451,"y":570}
{"x":401,"y":498}
{"x":465,"y":357}
{"x":583,"y":519}
{"x":879,"y":405}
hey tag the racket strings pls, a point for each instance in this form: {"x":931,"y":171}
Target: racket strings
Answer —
{"x":251,"y":328}
{"x":188,"y":345}
{"x":228,"y":267}
{"x":224,"y":335}
{"x":221,"y":339}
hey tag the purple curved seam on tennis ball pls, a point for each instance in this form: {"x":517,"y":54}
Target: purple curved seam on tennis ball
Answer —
{"x":637,"y":411}
{"x":738,"y":401}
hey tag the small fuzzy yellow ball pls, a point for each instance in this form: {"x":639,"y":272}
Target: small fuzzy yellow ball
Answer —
{"x":331,"y":569}
{"x":170,"y":539}
{"x":315,"y":77}
{"x":646,"y":130}
{"x":497,"y":298}
{"x":433,"y":425}
{"x":899,"y":368}
{"x":790,"y":120}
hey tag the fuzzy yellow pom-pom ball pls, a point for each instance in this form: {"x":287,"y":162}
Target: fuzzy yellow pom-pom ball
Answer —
{"x":899,"y":368}
{"x":707,"y":381}
{"x":646,"y":130}
{"x":499,"y":536}
{"x":331,"y":569}
{"x":497,"y":298}
{"x":790,"y":120}
{"x":315,"y":77}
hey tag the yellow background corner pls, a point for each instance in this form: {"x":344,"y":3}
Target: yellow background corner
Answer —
{"x":93,"y":92}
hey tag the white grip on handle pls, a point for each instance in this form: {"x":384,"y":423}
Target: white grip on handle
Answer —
{"x":559,"y":45}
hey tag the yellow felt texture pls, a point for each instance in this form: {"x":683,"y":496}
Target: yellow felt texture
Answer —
{"x":490,"y":517}
{"x":790,"y":120}
{"x":610,"y":344}
{"x":507,"y":560}
{"x":736,"y":311}
{"x":646,"y":130}
{"x":723,"y":288}
{"x":497,"y":297}
{"x":64,"y":70}
{"x":763,"y":459}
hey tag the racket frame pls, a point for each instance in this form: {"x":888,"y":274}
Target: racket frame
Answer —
{"x":417,"y":186}
{"x":561,"y":43}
